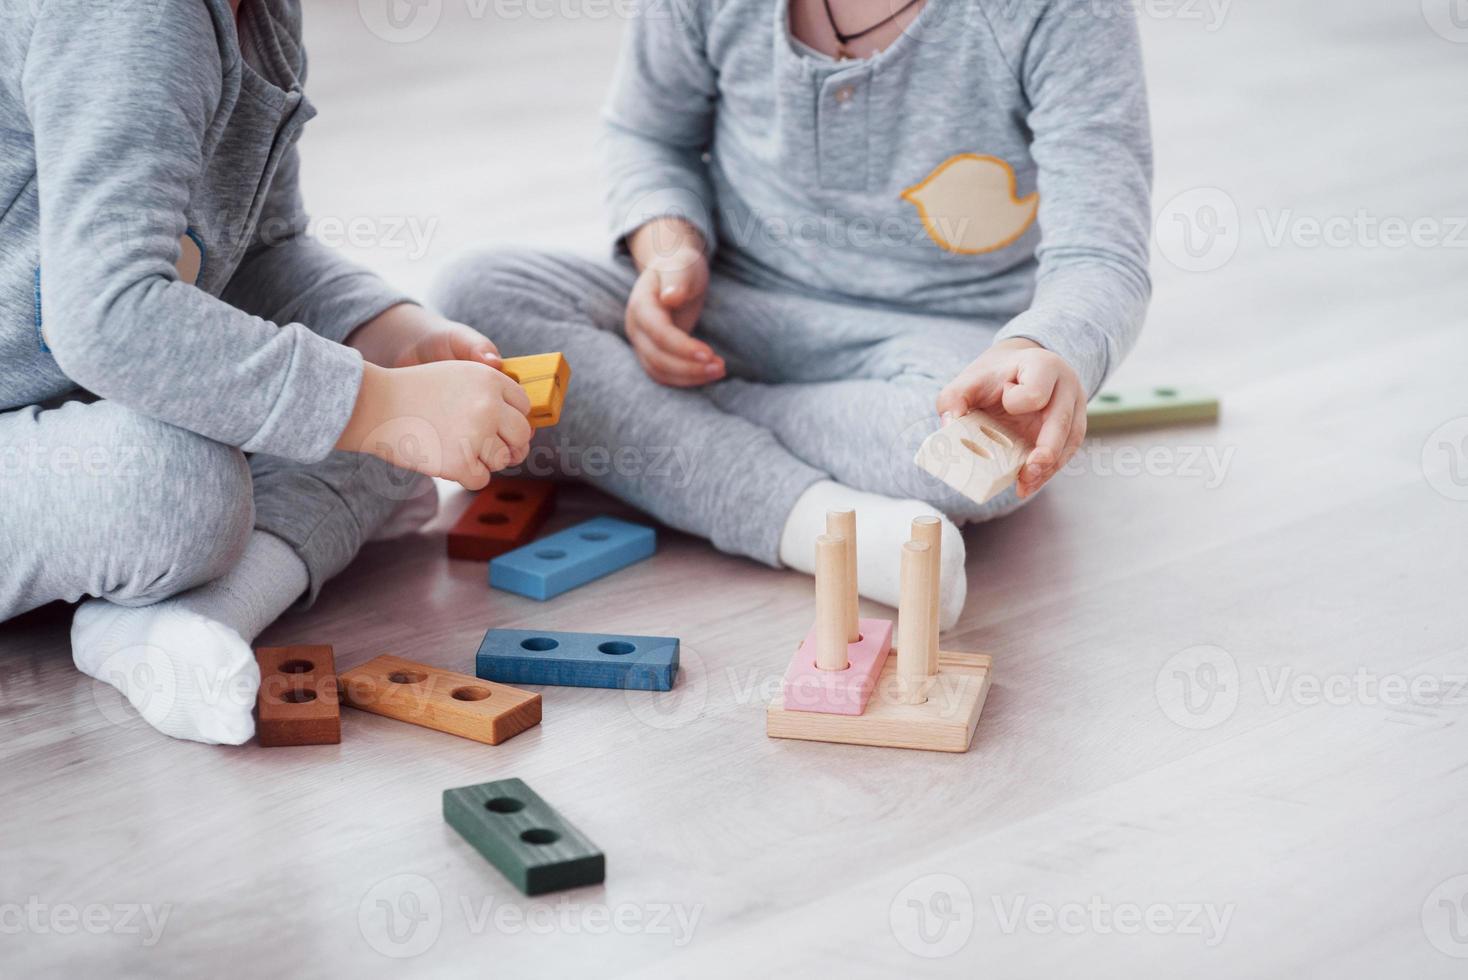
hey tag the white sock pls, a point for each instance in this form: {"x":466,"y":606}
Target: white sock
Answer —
{"x":185,"y":663}
{"x":412,"y":513}
{"x":883,"y":525}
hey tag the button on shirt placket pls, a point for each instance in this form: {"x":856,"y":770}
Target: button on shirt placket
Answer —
{"x":841,"y":129}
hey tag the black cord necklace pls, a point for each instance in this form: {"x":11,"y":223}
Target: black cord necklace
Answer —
{"x":842,"y":38}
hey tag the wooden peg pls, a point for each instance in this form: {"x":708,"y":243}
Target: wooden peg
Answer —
{"x":843,"y":524}
{"x":913,"y":622}
{"x":831,"y":602}
{"x":929,"y":530}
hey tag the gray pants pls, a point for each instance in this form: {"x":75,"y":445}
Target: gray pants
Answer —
{"x":817,"y":388}
{"x":98,"y":500}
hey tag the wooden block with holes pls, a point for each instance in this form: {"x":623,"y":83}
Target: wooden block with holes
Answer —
{"x":440,"y":699}
{"x":545,"y":378}
{"x":617,"y":660}
{"x":975,"y":455}
{"x":523,"y":836}
{"x":1141,"y":407}
{"x":503,"y":516}
{"x":297,"y":703}
{"x":921,"y":698}
{"x":945,"y":721}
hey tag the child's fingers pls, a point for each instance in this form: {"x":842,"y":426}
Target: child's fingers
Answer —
{"x":667,"y":369}
{"x":468,"y":344}
{"x":1034,"y":387}
{"x":679,"y":282}
{"x":977,"y":385}
{"x":1055,"y":434}
{"x":513,"y":395}
{"x":495,"y":454}
{"x":515,"y":431}
{"x":475,"y":475}
{"x":665,"y":335}
{"x":1077,"y":431}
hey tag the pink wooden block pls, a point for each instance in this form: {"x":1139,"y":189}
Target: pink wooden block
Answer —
{"x":839,"y":692}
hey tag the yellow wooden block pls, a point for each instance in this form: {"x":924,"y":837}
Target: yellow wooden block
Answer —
{"x":545,"y":378}
{"x":945,"y":722}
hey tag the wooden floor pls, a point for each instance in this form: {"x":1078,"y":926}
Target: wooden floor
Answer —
{"x":1227,"y":734}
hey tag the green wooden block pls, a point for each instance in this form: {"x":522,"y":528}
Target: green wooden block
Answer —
{"x":1137,"y":408}
{"x":522,"y":835}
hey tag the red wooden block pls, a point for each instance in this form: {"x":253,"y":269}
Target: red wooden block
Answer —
{"x":504,"y":515}
{"x":297,"y":704}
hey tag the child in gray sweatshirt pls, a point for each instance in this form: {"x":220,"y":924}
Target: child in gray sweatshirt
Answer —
{"x":837,"y":221}
{"x":162,"y":315}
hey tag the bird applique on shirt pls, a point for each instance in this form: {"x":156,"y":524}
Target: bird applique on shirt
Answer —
{"x":968,"y":205}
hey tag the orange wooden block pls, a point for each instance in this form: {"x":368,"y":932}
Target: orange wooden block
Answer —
{"x":440,"y":699}
{"x":503,"y":516}
{"x":297,"y":703}
{"x":545,"y":378}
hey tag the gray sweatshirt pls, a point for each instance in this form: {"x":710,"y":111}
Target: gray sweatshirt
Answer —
{"x":993,"y":162}
{"x":152,"y":239}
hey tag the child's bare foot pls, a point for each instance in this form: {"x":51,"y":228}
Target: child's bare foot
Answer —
{"x":883,"y":525}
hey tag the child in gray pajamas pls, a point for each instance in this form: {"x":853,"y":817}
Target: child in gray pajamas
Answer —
{"x":838,"y":222}
{"x":179,"y":361}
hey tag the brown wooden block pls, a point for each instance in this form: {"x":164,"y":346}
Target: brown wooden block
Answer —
{"x":944,"y":722}
{"x":503,"y":516}
{"x":297,"y":703}
{"x":440,"y":699}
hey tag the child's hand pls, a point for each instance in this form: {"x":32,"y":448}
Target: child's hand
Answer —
{"x":1032,"y":389}
{"x":406,"y":335}
{"x":455,"y":419}
{"x":665,"y":304}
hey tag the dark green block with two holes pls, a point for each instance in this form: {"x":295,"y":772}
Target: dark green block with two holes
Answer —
{"x":522,"y":835}
{"x":1143,"y":407}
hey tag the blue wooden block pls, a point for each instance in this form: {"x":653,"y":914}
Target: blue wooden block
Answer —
{"x":559,"y":562}
{"x":639,"y":663}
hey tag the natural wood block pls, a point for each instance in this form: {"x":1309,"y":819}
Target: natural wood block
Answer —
{"x":945,"y":722}
{"x":525,"y":837}
{"x":1137,"y":408}
{"x":297,"y":703}
{"x":808,"y":688}
{"x":545,"y":378}
{"x":503,"y":516}
{"x":440,"y":699}
{"x":975,"y":455}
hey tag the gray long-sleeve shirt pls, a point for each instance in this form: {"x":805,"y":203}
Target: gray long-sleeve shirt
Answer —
{"x":994,"y":161}
{"x":152,"y":238}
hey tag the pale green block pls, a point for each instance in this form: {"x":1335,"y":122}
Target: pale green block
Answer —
{"x":1136,"y":408}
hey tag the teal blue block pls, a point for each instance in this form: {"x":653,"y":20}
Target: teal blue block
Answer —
{"x":638,"y":663}
{"x":560,"y":562}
